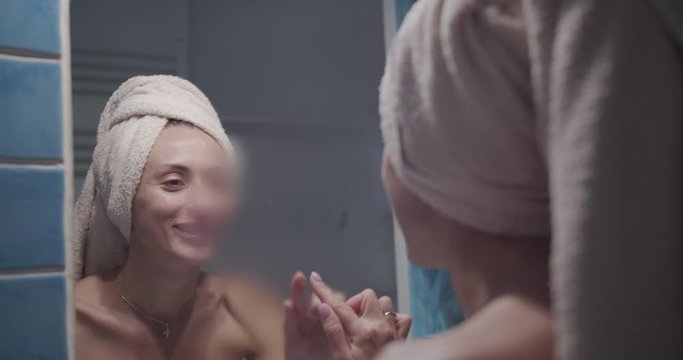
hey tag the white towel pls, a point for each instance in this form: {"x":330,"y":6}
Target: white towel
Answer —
{"x":482,"y":101}
{"x":131,"y":122}
{"x":612,"y":75}
{"x":457,"y":119}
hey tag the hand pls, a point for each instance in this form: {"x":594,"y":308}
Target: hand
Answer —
{"x":360,"y":327}
{"x":305,"y":339}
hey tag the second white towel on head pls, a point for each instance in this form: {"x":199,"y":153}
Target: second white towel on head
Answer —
{"x":130,"y":124}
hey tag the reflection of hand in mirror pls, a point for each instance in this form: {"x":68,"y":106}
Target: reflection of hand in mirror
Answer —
{"x":309,"y":338}
{"x":304,"y":336}
{"x":359,"y":327}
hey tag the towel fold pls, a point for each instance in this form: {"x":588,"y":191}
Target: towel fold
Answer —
{"x":130,"y":124}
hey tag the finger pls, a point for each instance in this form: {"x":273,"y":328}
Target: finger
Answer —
{"x":324,"y":292}
{"x":403,"y":324}
{"x":298,"y":296}
{"x":291,"y":328}
{"x":346,"y":314}
{"x":386,"y":304}
{"x":331,"y":295}
{"x":341,"y":297}
{"x":334,"y":331}
{"x":354,"y":302}
{"x":315,"y":301}
{"x":370,"y":305}
{"x":313,"y":308}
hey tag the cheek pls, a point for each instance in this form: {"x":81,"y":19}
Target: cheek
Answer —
{"x":223,"y":209}
{"x":152,"y":209}
{"x":407,"y":208}
{"x":415,"y":219}
{"x":412,"y":221}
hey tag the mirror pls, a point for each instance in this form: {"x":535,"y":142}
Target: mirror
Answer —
{"x":295,"y":87}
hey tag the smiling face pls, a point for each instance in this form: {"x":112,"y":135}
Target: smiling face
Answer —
{"x":185,"y":199}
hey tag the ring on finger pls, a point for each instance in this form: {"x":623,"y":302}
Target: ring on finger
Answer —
{"x":390,"y":313}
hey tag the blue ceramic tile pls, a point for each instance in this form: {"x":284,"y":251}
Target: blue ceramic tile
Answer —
{"x":433,"y":303}
{"x":30,"y":25}
{"x":31,"y":105}
{"x":402,"y":8}
{"x":31,"y":217}
{"x":32,"y":320}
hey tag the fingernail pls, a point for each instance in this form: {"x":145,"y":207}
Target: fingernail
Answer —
{"x":316,"y":277}
{"x":324,"y":311}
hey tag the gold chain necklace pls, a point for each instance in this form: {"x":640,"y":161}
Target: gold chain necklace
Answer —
{"x":135,"y":308}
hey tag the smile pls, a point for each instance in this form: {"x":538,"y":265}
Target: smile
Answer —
{"x":191,"y":233}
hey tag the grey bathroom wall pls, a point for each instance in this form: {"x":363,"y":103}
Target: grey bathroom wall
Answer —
{"x":296,"y":85}
{"x":113,"y":41}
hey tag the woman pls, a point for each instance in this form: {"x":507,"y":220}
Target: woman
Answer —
{"x":161,"y":190}
{"x":464,"y":172}
{"x":496,"y":114}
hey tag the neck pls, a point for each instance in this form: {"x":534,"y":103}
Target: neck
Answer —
{"x":473,"y":292}
{"x":484,"y":267}
{"x":151,"y":283}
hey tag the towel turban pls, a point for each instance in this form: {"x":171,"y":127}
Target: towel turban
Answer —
{"x":130,"y":124}
{"x":457,"y":116}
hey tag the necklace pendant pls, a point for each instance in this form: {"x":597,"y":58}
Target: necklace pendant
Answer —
{"x":167,"y":332}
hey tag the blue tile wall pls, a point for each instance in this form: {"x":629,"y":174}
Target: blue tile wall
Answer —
{"x":31,"y":219}
{"x":33,"y":286}
{"x":433,"y":303}
{"x":30,"y":25}
{"x":31,"y":105}
{"x":33,"y":317}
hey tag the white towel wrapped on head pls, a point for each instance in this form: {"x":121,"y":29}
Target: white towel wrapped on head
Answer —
{"x":130,"y":124}
{"x":457,"y":119}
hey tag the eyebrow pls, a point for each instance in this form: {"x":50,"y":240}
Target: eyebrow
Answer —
{"x":178,"y":167}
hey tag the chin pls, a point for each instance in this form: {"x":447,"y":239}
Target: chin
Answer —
{"x":193,"y":249}
{"x":194,"y":256}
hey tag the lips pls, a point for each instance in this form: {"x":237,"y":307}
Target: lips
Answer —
{"x":192,"y":232}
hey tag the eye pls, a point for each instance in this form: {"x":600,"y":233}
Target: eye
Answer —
{"x":173,"y":184}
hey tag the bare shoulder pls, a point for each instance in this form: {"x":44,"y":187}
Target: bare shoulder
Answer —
{"x":90,"y":296}
{"x":254,"y":306}
{"x":243,"y":294}
{"x":93,"y":288}
{"x":91,"y":301}
{"x":519,"y":329}
{"x":97,"y":310}
{"x":434,"y":348}
{"x":85,"y":288}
